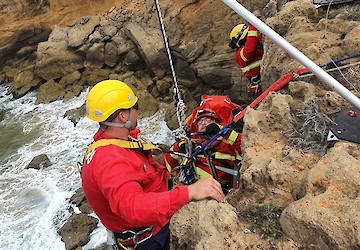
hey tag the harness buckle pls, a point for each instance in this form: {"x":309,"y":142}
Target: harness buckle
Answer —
{"x":135,"y":238}
{"x":137,"y":235}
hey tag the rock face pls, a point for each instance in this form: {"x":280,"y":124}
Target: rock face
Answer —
{"x":294,"y":193}
{"x":315,"y":194}
{"x":328,"y":213}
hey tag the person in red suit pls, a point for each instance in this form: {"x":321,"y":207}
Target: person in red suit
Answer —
{"x":127,"y":189}
{"x":223,"y":152}
{"x":247,"y":41}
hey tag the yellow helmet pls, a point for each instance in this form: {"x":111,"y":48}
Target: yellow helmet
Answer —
{"x":108,"y":96}
{"x":238,"y":35}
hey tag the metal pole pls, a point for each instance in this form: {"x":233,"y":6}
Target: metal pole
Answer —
{"x":295,"y":53}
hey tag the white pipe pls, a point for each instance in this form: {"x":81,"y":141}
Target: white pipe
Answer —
{"x":276,"y":38}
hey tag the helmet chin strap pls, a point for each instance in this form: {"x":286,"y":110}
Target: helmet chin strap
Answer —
{"x":127,"y":124}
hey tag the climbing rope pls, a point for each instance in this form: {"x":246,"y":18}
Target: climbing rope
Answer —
{"x":338,"y":68}
{"x":187,"y":174}
{"x":179,"y":103}
{"x":334,"y":62}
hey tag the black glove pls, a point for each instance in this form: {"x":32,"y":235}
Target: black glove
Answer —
{"x":238,"y":126}
{"x":212,"y":129}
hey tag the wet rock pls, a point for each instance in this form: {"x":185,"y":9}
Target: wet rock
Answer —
{"x":2,"y":114}
{"x":74,"y":115}
{"x":80,"y":201}
{"x":73,"y":91}
{"x":39,"y":162}
{"x":76,"y":231}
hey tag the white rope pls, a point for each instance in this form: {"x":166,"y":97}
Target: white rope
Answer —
{"x":179,"y":103}
{"x":338,"y":68}
{"x":342,"y":74}
{"x":327,"y":17}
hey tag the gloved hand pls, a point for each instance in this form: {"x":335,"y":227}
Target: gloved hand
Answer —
{"x":212,"y":129}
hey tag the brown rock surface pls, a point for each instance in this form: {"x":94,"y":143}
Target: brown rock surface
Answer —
{"x":318,"y":194}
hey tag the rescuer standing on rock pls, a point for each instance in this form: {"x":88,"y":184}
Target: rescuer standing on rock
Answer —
{"x":124,"y":185}
{"x":246,"y":39}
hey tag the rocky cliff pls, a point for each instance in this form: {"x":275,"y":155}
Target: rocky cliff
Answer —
{"x":295,"y":192}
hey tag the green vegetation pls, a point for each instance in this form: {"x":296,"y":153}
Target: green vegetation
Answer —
{"x":270,"y":225}
{"x":316,"y":16}
{"x":263,"y":219}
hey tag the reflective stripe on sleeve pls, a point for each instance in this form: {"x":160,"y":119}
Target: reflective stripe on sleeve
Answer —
{"x":202,"y":174}
{"x":251,"y":66}
{"x":242,"y":56}
{"x":252,"y":33}
{"x":232,"y":138}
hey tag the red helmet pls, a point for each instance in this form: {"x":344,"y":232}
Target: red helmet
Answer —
{"x":206,"y":113}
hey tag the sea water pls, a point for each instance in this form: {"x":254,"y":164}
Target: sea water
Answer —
{"x":34,"y":204}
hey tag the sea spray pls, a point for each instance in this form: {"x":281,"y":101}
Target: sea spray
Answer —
{"x":34,"y":204}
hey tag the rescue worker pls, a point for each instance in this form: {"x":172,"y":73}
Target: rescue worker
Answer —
{"x":246,"y":39}
{"x":124,"y":185}
{"x":223,"y":152}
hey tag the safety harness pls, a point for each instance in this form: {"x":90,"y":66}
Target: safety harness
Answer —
{"x":121,"y":143}
{"x":130,"y":239}
{"x":135,"y":144}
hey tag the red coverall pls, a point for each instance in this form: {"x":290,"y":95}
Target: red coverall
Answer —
{"x":128,"y":189}
{"x":224,"y":155}
{"x":249,"y":56}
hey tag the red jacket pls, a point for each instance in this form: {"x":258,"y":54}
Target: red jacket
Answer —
{"x":128,"y":189}
{"x":224,"y":155}
{"x":249,"y":56}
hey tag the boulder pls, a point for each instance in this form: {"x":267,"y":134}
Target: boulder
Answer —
{"x":328,"y":216}
{"x":55,"y":60}
{"x":24,"y":81}
{"x":76,"y":231}
{"x":150,"y":45}
{"x":204,"y":225}
{"x":352,"y":41}
{"x":49,"y":91}
{"x":81,"y":30}
{"x":74,"y":115}
{"x":95,"y":57}
{"x":39,"y":162}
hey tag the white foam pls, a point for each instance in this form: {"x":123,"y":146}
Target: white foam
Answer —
{"x":34,"y":203}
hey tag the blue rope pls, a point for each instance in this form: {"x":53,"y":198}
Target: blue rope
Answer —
{"x":334,"y":62}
